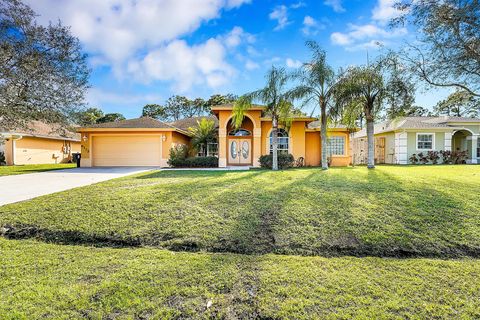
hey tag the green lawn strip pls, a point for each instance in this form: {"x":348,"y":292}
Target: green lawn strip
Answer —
{"x":429,"y":211}
{"x":31,"y":168}
{"x":39,"y":280}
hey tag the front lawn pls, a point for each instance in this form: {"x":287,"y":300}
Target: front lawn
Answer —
{"x":425,"y":211}
{"x":40,"y":281}
{"x":31,"y":168}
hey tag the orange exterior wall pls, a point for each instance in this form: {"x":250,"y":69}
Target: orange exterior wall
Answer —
{"x":313,"y":149}
{"x":33,"y":150}
{"x":346,"y":160}
{"x":223,"y":118}
{"x":171,"y":139}
{"x":296,"y":134}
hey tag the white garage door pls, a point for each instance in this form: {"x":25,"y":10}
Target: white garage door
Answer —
{"x":131,"y":150}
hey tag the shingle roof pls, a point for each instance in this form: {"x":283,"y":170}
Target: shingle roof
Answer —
{"x":317,"y":125}
{"x":142,"y":122}
{"x":186,"y":123}
{"x":416,"y":123}
{"x":45,"y":130}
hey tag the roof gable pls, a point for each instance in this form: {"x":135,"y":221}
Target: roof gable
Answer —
{"x":44,"y":130}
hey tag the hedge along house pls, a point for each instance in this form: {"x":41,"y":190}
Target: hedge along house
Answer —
{"x":39,"y":143}
{"x":397,"y":140}
{"x":147,"y":142}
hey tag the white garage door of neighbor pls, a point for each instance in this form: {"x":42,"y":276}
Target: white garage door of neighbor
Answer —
{"x":130,"y":150}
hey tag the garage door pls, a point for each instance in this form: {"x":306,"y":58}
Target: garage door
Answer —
{"x":126,"y":150}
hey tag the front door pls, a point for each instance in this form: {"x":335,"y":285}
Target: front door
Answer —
{"x":239,"y":152}
{"x":380,"y":150}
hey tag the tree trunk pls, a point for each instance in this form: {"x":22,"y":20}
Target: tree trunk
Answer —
{"x":274,"y":143}
{"x":371,"y":143}
{"x":323,"y":134}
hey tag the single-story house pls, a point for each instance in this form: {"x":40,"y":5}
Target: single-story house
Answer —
{"x":147,"y":142}
{"x":39,"y":143}
{"x":397,"y":140}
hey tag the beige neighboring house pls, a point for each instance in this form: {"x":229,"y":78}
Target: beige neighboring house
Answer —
{"x":40,"y":143}
{"x":397,"y":140}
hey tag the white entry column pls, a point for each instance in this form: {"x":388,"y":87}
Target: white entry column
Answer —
{"x":401,"y":156}
{"x":474,"y":149}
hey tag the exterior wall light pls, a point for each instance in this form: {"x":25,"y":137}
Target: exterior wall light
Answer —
{"x":85,"y":138}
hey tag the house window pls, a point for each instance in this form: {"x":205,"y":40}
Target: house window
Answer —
{"x":336,"y":146}
{"x":240,"y":133}
{"x":212,"y":150}
{"x":425,"y":141}
{"x":283,"y":141}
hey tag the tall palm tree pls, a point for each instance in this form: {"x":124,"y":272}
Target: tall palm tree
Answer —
{"x":360,"y":93}
{"x":276,"y":100}
{"x":317,"y":83}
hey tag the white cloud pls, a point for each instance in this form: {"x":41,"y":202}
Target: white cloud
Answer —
{"x":236,"y":3}
{"x":336,"y":5}
{"x":291,"y":63}
{"x":372,"y":44}
{"x":340,"y":38}
{"x":297,"y":5}
{"x":116,"y":32}
{"x":185,"y":65}
{"x":251,"y":65}
{"x":363,"y":36}
{"x":272,"y":60}
{"x":384,"y":11}
{"x":237,"y":36}
{"x":280,"y":13}
{"x":311,"y":26}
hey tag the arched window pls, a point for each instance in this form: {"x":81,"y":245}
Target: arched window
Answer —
{"x":283,"y":141}
{"x":240,"y":132}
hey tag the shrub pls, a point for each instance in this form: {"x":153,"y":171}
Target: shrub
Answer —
{"x":422,"y":158}
{"x":459,"y":157}
{"x":179,"y":159}
{"x":413,"y":159}
{"x":201,"y":162}
{"x":178,"y":154}
{"x":2,"y":159}
{"x":446,"y":156}
{"x":433,"y":156}
{"x":284,"y":161}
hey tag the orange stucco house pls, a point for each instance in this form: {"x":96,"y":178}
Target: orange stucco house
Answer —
{"x":147,"y":142}
{"x":39,"y":143}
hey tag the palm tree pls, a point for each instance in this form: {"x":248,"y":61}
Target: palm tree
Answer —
{"x":203,"y":133}
{"x":360,"y":93}
{"x":317,"y":83}
{"x":276,"y":100}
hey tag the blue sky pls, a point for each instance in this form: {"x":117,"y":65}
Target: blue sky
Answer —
{"x":144,"y":51}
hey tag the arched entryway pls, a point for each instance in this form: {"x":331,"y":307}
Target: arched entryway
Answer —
{"x":240,"y":143}
{"x":464,"y":140}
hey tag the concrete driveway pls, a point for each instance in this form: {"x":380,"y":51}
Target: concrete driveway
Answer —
{"x":27,"y":186}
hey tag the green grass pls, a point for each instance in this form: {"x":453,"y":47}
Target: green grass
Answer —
{"x":427,"y":211}
{"x":39,"y":281}
{"x":31,"y":168}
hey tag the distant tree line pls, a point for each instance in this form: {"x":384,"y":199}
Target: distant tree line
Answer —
{"x":175,"y":108}
{"x":179,"y":107}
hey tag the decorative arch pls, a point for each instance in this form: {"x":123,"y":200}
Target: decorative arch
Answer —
{"x":463,"y":129}
{"x":246,"y":115}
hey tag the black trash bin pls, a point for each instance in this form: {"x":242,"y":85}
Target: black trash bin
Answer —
{"x":76,"y":158}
